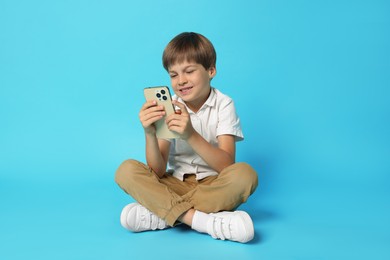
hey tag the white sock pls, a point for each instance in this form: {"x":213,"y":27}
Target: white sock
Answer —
{"x":199,"y":221}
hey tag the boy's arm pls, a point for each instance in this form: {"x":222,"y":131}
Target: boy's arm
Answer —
{"x":157,"y":153}
{"x":156,"y":150}
{"x":219,"y":157}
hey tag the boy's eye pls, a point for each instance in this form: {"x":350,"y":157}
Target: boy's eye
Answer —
{"x":190,"y":71}
{"x":172,"y":75}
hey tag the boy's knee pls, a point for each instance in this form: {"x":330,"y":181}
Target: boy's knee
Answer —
{"x":245,"y":175}
{"x":249,"y":172}
{"x":125,"y":170}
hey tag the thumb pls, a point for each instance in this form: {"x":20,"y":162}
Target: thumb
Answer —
{"x":182,"y":107}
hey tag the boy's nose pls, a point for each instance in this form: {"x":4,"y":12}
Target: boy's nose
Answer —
{"x":182,"y":80}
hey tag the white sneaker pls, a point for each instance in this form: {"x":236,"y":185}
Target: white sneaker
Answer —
{"x":235,"y":226}
{"x":137,"y":218}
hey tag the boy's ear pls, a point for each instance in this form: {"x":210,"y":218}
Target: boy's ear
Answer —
{"x":212,"y":72}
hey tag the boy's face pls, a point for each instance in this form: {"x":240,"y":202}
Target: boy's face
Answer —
{"x":191,"y":82}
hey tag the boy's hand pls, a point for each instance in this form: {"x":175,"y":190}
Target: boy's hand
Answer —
{"x":180,"y":122}
{"x":149,"y":114}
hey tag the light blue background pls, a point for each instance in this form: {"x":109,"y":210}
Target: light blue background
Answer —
{"x":310,"y":80}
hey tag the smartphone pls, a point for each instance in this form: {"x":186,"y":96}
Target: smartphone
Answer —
{"x":163,"y":97}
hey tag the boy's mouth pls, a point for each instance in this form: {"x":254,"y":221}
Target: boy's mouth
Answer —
{"x":185,"y":90}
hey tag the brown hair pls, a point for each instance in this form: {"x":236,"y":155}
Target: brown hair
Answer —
{"x":190,"y":46}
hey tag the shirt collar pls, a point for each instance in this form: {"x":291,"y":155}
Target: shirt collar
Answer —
{"x":210,"y":102}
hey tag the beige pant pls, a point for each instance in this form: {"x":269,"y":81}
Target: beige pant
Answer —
{"x":169,"y":197}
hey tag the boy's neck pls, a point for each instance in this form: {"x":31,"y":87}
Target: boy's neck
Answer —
{"x":195,"y":106}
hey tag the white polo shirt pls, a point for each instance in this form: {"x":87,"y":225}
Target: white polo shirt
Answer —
{"x":216,"y":117}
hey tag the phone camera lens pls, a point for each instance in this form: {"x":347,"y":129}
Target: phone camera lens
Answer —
{"x":162,"y":91}
{"x":158,"y":95}
{"x":165,"y":98}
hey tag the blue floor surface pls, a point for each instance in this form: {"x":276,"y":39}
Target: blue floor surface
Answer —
{"x":80,"y":220}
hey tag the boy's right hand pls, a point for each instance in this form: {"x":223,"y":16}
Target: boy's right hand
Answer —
{"x":150,"y":113}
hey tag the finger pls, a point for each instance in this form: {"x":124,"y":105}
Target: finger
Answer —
{"x":181,"y":106}
{"x":148,"y":116}
{"x":173,"y":117}
{"x":176,"y":129}
{"x":151,"y":109}
{"x":151,"y":115}
{"x":174,"y":121}
{"x":148,"y":104}
{"x":176,"y":126}
{"x":151,"y":106}
{"x":150,"y":120}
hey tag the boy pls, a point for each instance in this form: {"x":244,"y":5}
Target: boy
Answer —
{"x":205,"y":183}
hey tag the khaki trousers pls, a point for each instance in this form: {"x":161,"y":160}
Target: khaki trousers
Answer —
{"x":169,"y":197}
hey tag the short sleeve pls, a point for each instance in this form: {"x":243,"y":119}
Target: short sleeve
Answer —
{"x":228,"y":120}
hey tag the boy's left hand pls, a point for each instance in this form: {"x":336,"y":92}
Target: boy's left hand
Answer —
{"x":180,"y":122}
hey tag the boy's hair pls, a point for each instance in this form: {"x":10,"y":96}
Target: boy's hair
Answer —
{"x":191,"y":47}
